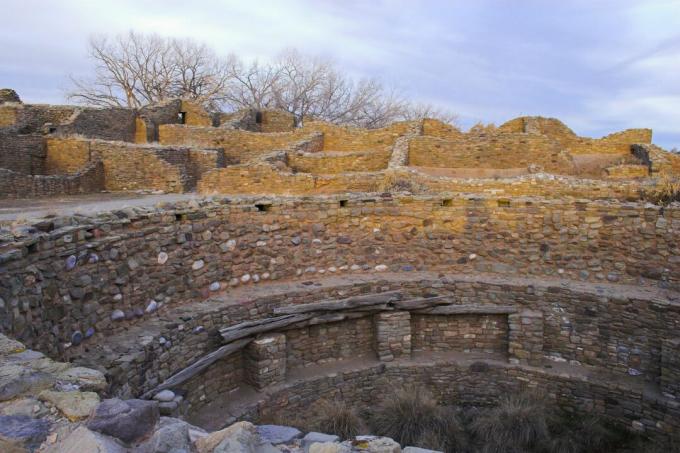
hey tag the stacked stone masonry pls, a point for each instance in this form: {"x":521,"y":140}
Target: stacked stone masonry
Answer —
{"x":346,"y":262}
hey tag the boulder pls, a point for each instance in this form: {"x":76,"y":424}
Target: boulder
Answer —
{"x":328,"y":447}
{"x":240,"y":437}
{"x":74,"y":405}
{"x":376,"y":444}
{"x":171,"y":436}
{"x":314,"y":437}
{"x":277,"y":434}
{"x":21,"y":430}
{"x":85,"y":378}
{"x":419,"y":450}
{"x":23,"y":406}
{"x":129,"y":421}
{"x":83,"y":440}
{"x":17,"y":381}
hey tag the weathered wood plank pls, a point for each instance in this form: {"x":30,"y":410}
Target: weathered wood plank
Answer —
{"x":342,"y":304}
{"x":243,"y":330}
{"x":421,"y":302}
{"x":198,"y":366}
{"x":468,"y":309}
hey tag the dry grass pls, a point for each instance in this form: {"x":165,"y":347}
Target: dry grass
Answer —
{"x":412,"y":417}
{"x":519,"y":424}
{"x":664,"y":192}
{"x":336,"y":417}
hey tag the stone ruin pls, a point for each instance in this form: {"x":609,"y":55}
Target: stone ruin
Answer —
{"x":326,"y":262}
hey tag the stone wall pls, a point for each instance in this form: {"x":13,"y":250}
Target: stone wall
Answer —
{"x":82,"y":276}
{"x":195,"y":114}
{"x":127,"y":166}
{"x":267,"y":179}
{"x":276,"y":121}
{"x":628,"y":407}
{"x":32,"y":118}
{"x":331,"y":162}
{"x":134,"y":166}
{"x":151,"y":116}
{"x":627,"y":171}
{"x":339,"y":138}
{"x":88,"y":179}
{"x":66,"y":155}
{"x":105,"y":124}
{"x":22,"y":153}
{"x":483,"y":151}
{"x":239,"y":146}
{"x":436,"y":128}
{"x":330,"y":342}
{"x":462,"y":333}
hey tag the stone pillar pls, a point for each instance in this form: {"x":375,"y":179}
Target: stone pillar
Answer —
{"x":392,"y":334}
{"x":670,"y":367}
{"x":265,"y":360}
{"x":526,"y":337}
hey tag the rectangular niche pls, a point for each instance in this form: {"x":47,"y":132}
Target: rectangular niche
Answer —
{"x":473,"y":332}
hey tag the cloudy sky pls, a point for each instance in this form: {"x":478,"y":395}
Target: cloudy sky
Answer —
{"x":599,"y":65}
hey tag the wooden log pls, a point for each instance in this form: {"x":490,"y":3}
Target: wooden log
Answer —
{"x":468,"y":309}
{"x":247,"y":329}
{"x":198,"y":366}
{"x":422,"y":302}
{"x":342,"y":304}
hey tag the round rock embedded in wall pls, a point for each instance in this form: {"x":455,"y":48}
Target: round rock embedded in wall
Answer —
{"x":162,"y":258}
{"x":198,"y":265}
{"x":152,"y":307}
{"x":71,"y":262}
{"x":117,"y":315}
{"x":77,"y":338}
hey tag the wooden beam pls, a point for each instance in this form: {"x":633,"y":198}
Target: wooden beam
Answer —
{"x":422,"y":302}
{"x":198,"y":366}
{"x":468,"y":309}
{"x":342,"y":304}
{"x":248,"y":329}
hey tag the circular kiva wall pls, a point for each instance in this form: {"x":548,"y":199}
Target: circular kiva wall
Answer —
{"x":578,"y":298}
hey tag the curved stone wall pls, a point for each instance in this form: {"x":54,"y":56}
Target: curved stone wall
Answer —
{"x":102,"y":274}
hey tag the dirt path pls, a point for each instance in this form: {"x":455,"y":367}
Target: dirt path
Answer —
{"x":27,"y":209}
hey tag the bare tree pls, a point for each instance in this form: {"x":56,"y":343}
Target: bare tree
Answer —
{"x":134,"y":70}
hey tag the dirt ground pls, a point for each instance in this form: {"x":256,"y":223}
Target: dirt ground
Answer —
{"x":27,"y":209}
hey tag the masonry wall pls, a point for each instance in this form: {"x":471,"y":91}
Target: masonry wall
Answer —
{"x":483,"y":151}
{"x":277,"y":121}
{"x":30,"y":118}
{"x":265,"y":179}
{"x":195,"y":115}
{"x":66,"y":155}
{"x":331,"y":342}
{"x":126,"y":166}
{"x":436,"y":128}
{"x":463,"y":385}
{"x":340,"y":138}
{"x":88,"y":179}
{"x":105,"y":124}
{"x":461,"y":333}
{"x":151,"y":116}
{"x":45,"y":299}
{"x":239,"y":146}
{"x":338,"y":162}
{"x":22,"y":153}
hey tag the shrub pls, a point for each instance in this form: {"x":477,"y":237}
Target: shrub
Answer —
{"x":664,"y":192}
{"x":519,"y":424}
{"x":336,"y":417}
{"x":412,"y":417}
{"x":585,"y":433}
